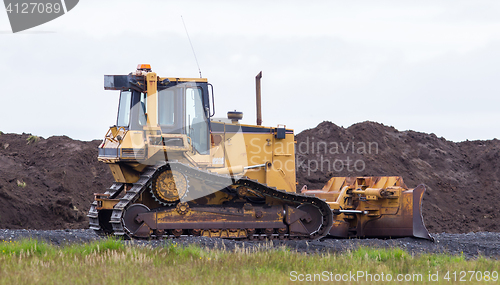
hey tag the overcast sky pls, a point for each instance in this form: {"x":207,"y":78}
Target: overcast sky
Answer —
{"x":428,"y":66}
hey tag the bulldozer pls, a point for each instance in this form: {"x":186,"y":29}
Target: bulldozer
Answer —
{"x":179,"y":170}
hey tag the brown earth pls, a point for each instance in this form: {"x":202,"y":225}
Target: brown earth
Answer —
{"x":49,"y":184}
{"x":462,"y":179}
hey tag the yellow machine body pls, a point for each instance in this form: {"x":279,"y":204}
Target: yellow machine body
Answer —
{"x":142,"y":160}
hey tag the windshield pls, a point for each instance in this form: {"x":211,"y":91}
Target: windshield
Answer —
{"x":124,"y":109}
{"x":132,"y":110}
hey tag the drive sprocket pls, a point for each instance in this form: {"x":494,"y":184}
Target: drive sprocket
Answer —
{"x":169,"y":187}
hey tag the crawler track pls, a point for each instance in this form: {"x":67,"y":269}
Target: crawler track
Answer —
{"x":118,"y":228}
{"x":93,"y":214}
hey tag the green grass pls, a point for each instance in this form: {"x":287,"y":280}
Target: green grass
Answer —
{"x":32,"y":139}
{"x":21,"y":183}
{"x":112,"y":262}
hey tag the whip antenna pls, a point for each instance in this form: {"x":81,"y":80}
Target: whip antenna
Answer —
{"x":192,"y":48}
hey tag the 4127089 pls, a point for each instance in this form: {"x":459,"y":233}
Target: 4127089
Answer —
{"x":470,"y":276}
{"x":34,"y":8}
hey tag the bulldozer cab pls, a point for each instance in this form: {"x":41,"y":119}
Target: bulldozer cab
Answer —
{"x":175,"y":106}
{"x":180,"y":111}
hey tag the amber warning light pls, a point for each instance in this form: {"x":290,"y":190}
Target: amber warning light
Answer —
{"x":144,"y":67}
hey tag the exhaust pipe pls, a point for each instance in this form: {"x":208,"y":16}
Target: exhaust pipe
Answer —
{"x":257,"y":89}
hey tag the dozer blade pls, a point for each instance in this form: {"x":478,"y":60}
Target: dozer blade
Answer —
{"x":408,"y":222}
{"x":381,"y":207}
{"x":419,"y":229}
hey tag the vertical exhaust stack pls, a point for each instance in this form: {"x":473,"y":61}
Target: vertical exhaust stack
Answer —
{"x":259,"y":107}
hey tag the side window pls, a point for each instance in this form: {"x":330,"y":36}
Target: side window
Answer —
{"x":193,"y":97}
{"x":166,"y":107}
{"x":124,"y":109}
{"x":196,"y":123}
{"x":143,"y":109}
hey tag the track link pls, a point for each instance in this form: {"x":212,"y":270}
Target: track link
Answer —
{"x":93,"y":215}
{"x":131,"y":196}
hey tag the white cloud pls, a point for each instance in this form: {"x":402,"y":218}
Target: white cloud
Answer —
{"x":340,"y":61}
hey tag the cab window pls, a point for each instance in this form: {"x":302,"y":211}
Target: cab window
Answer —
{"x":166,"y":107}
{"x":123,"y":119}
{"x":196,"y":124}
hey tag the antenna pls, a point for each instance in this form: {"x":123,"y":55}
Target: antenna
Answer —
{"x":192,"y":48}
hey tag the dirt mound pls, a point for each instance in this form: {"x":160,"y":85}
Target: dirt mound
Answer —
{"x":48,"y":183}
{"x":462,"y":179}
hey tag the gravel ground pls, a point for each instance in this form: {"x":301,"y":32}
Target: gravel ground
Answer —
{"x":471,"y":245}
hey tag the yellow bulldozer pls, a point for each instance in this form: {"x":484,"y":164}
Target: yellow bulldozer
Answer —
{"x":178,"y":170}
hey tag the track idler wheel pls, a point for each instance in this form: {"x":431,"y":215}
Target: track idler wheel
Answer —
{"x":133,"y":224}
{"x":305,"y":220}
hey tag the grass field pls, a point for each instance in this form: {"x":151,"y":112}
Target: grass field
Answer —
{"x":112,"y":262}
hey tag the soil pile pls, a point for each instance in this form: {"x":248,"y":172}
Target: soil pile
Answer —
{"x":48,"y":183}
{"x":462,"y":179}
